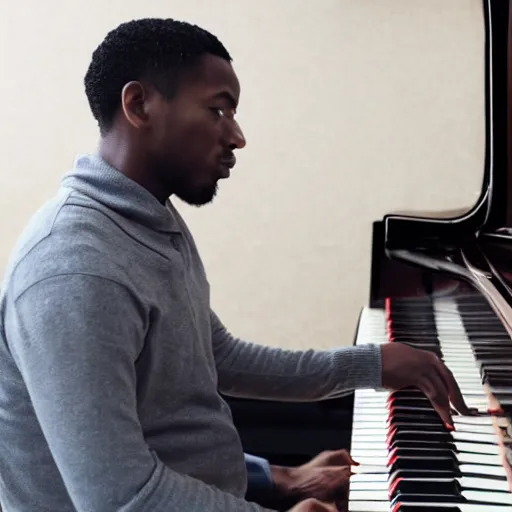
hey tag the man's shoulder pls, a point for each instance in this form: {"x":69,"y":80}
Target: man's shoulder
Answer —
{"x":65,"y":236}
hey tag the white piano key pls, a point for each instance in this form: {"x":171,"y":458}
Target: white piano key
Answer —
{"x":470,"y":469}
{"x":369,"y":506}
{"x":489,"y":449}
{"x":361,"y":485}
{"x":369,"y":494}
{"x":465,"y":507}
{"x":364,"y":454}
{"x":372,"y":460}
{"x":381,"y":477}
{"x":376,"y":421}
{"x":474,"y":420}
{"x":479,"y":458}
{"x":368,"y":432}
{"x":484,"y":483}
{"x":365,"y":433}
{"x":491,"y":497}
{"x":367,"y":469}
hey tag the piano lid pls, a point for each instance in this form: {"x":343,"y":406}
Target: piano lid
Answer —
{"x":492,"y":210}
{"x":413,"y":255}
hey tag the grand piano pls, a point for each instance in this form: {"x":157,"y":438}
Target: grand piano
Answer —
{"x":441,"y":282}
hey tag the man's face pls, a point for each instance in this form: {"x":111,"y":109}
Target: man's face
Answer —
{"x":193,"y":136}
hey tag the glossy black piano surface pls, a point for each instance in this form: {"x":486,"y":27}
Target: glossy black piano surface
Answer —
{"x":445,"y":284}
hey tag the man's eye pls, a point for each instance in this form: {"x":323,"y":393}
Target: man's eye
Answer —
{"x":218,"y":112}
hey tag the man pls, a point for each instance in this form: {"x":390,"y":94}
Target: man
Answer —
{"x":111,"y":358}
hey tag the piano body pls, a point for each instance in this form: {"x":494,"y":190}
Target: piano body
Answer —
{"x":443,"y":283}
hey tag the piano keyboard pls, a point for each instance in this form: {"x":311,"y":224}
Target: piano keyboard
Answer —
{"x":409,"y":461}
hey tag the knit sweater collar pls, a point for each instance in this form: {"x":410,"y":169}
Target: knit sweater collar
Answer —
{"x":95,"y":178}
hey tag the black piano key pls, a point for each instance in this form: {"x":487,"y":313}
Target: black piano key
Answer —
{"x":409,"y":474}
{"x":439,"y":464}
{"x":497,"y":381}
{"x":508,"y":410}
{"x":421,"y":449}
{"x":425,"y":487}
{"x":443,"y":490}
{"x":407,"y":427}
{"x":404,"y":418}
{"x":431,"y":498}
{"x":438,"y":437}
{"x":450,"y":473}
{"x":488,"y":328}
{"x":501,"y":349}
{"x":405,"y":392}
{"x":402,"y":326}
{"x":410,"y":399}
{"x":424,"y":411}
{"x":451,"y":490}
{"x":419,"y":446}
{"x":434,"y":452}
{"x":428,"y":348}
{"x":427,"y":336}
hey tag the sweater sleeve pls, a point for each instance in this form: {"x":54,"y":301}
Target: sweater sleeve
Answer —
{"x":256,"y":371}
{"x":259,"y":472}
{"x":75,"y":339}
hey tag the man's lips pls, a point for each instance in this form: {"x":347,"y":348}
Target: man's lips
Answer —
{"x":228,"y":162}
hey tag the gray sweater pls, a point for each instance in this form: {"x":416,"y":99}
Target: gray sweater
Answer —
{"x":112,"y":360}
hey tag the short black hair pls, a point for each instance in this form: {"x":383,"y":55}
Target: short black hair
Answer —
{"x":154,"y":49}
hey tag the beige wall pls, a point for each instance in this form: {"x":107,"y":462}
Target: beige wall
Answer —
{"x":351,"y":108}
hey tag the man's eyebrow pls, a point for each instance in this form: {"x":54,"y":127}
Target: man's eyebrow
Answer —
{"x":225,"y":95}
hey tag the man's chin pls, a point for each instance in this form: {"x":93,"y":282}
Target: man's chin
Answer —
{"x":199,"y":196}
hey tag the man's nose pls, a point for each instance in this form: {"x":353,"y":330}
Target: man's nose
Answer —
{"x":237,"y":139}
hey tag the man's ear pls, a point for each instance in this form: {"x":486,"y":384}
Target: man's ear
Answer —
{"x":134,"y":103}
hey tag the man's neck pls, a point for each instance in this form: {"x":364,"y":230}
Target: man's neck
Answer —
{"x":121,"y":155}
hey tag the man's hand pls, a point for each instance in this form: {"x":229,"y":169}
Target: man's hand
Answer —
{"x":331,"y":458}
{"x":312,"y":505}
{"x":404,"y":366}
{"x":325,"y":477}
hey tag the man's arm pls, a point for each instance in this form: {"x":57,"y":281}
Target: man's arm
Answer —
{"x":256,"y":371}
{"x":75,"y":339}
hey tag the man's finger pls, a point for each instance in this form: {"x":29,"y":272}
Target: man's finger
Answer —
{"x":455,"y":393}
{"x":344,"y":479}
{"x":340,"y":458}
{"x":345,"y":458}
{"x":335,"y":484}
{"x":353,"y":462}
{"x":434,"y":389}
{"x":328,"y":507}
{"x":320,"y":506}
